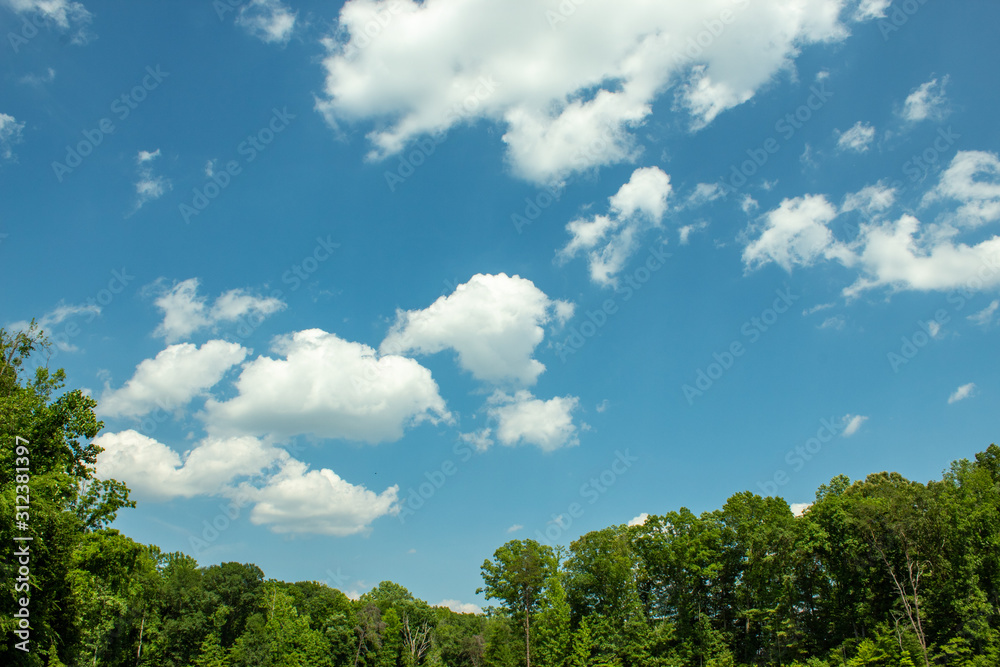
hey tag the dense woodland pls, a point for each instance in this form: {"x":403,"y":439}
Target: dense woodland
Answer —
{"x":880,"y":571}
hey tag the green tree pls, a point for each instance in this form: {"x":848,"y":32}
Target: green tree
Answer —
{"x":517,"y":576}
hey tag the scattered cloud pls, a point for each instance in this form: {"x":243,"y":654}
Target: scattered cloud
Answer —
{"x":902,"y":254}
{"x":837,"y":322}
{"x":10,"y":134}
{"x":480,"y":440}
{"x":684,"y":233}
{"x":330,"y":388}
{"x":524,"y":419}
{"x":962,"y":393}
{"x":979,"y":198}
{"x":985,"y":316}
{"x":704,"y":193}
{"x":63,"y":14}
{"x":39,"y":79}
{"x":851,"y":424}
{"x":610,"y":240}
{"x":185,"y":312}
{"x":857,"y":139}
{"x":56,"y":316}
{"x":171,"y":379}
{"x":927,"y":101}
{"x":639,"y":520}
{"x":149,"y":187}
{"x":566,"y":102}
{"x":516,"y":527}
{"x":270,"y":21}
{"x":493,"y":322}
{"x":603,"y":405}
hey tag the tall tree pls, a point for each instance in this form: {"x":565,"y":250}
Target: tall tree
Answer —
{"x":517,"y":576}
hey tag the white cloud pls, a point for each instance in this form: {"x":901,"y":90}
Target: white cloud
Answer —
{"x":836,"y":322}
{"x":871,"y":199}
{"x":851,"y":424}
{"x":480,"y":440}
{"x":460,"y":607}
{"x":603,"y":405}
{"x":185,"y":312}
{"x":962,"y":393}
{"x":979,"y":197}
{"x":270,"y":21}
{"x":154,"y":471}
{"x":524,"y":419}
{"x":10,"y":134}
{"x":65,"y":14}
{"x":331,"y":388}
{"x":926,"y":101}
{"x":171,"y":379}
{"x":149,"y":187}
{"x":516,"y":527}
{"x":704,"y":193}
{"x":569,"y":89}
{"x":903,"y":254}
{"x":684,"y":233}
{"x":58,"y":315}
{"x":39,"y":79}
{"x":796,"y":233}
{"x":985,"y":317}
{"x":299,"y":500}
{"x":858,"y":138}
{"x":798,"y":509}
{"x":610,"y":240}
{"x":639,"y":520}
{"x":871,"y":9}
{"x":493,"y":322}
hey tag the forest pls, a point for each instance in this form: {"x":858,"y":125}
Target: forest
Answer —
{"x":882,"y":571}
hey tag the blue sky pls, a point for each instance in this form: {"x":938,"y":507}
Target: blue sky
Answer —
{"x":374,"y":287}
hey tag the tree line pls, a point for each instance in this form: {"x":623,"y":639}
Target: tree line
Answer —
{"x":882,"y":571}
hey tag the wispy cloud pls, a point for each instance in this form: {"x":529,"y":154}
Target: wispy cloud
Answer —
{"x":962,"y":393}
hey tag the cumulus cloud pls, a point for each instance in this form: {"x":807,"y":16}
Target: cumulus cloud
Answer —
{"x":460,"y":607}
{"x":973,"y":180}
{"x":962,"y":393}
{"x":270,"y":21}
{"x":524,"y":419}
{"x":299,"y":500}
{"x":185,"y":312}
{"x":10,"y":134}
{"x":796,"y":233}
{"x":567,"y":101}
{"x":64,"y":14}
{"x":857,"y":139}
{"x":639,"y":520}
{"x":798,"y":509}
{"x":479,"y":440}
{"x":154,"y":471}
{"x":171,"y":379}
{"x":851,"y":424}
{"x":926,"y":101}
{"x":492,"y":322}
{"x":901,"y":253}
{"x":610,"y":240}
{"x":330,"y":388}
